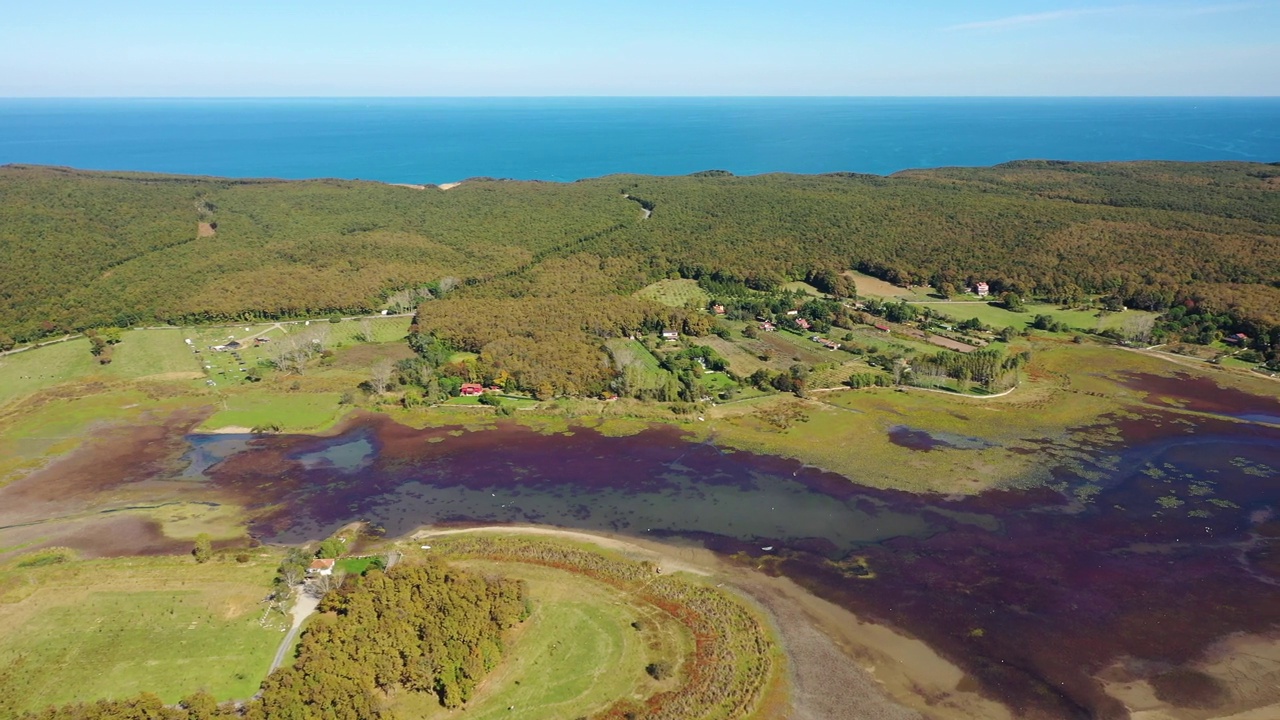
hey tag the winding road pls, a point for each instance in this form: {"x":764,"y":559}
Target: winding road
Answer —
{"x":302,"y":609}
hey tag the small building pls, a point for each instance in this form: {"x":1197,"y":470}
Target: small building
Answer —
{"x":321,"y":567}
{"x":793,"y":312}
{"x":982,"y":289}
{"x":717,"y":309}
{"x":883,"y":328}
{"x":1236,"y":339}
{"x":233,"y":345}
{"x":471,"y":390}
{"x":804,"y":324}
{"x":669,"y":334}
{"x":768,"y":326}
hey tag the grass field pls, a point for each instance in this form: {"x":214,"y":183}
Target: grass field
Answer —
{"x":355,"y":565}
{"x":83,"y":630}
{"x":576,"y":654}
{"x":969,"y":306}
{"x":27,"y":372}
{"x":803,"y":287}
{"x":291,"y":411}
{"x":647,"y":374}
{"x":718,"y":381}
{"x":997,"y":317}
{"x":676,"y":293}
{"x":875,"y":287}
{"x":145,"y":353}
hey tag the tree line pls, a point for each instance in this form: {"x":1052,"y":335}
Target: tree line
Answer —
{"x":103,"y":250}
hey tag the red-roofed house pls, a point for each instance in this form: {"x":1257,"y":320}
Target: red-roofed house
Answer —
{"x":471,"y":389}
{"x":321,"y":567}
{"x":1237,"y":339}
{"x":883,"y":328}
{"x":982,"y":289}
{"x":803,"y":323}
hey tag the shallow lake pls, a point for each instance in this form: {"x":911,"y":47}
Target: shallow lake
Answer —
{"x":1144,"y":557}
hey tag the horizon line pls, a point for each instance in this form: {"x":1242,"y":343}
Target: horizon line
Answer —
{"x":640,"y":97}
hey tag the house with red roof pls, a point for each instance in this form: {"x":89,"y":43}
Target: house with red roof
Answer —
{"x":471,"y":389}
{"x":321,"y":566}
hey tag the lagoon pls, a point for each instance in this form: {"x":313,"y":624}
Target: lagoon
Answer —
{"x":1034,"y":592}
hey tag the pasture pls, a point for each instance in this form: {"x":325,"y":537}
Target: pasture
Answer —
{"x":113,"y":628}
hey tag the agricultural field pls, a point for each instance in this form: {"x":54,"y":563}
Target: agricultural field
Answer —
{"x":800,"y":348}
{"x":676,"y":293}
{"x":871,"y":339}
{"x":833,"y":375}
{"x":113,"y":628}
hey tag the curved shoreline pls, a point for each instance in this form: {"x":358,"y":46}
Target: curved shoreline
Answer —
{"x":838,"y":662}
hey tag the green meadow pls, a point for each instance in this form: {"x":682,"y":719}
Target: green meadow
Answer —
{"x":76,"y":630}
{"x":575,"y":654}
{"x":676,"y":293}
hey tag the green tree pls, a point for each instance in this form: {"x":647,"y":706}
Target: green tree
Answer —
{"x":203,"y":549}
{"x":330,"y":548}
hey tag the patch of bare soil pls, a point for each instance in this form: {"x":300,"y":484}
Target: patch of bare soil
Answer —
{"x":205,"y":230}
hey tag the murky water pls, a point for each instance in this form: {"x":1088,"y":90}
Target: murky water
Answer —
{"x":1159,"y":538}
{"x":1155,"y":553}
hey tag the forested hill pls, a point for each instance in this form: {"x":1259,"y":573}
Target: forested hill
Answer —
{"x":83,"y":249}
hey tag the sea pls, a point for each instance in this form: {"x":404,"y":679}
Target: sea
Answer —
{"x":439,"y":140}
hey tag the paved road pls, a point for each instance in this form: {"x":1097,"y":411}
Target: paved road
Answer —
{"x":302,"y":609}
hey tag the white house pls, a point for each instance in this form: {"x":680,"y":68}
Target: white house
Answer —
{"x":321,"y":567}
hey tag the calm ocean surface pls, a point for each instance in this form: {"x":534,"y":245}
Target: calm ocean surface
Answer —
{"x":438,"y":140}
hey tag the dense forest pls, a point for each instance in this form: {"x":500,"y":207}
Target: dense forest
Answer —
{"x":85,"y":249}
{"x":426,"y":627}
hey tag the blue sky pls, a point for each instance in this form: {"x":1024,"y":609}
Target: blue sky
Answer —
{"x":658,"y":47}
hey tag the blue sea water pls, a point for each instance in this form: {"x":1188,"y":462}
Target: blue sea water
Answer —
{"x":435,"y":140}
